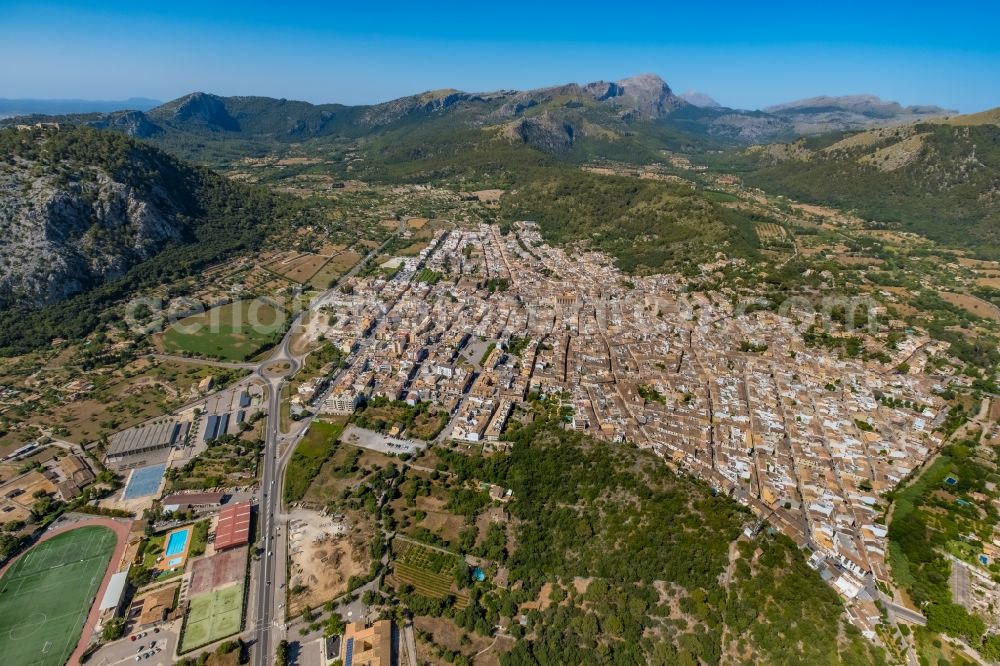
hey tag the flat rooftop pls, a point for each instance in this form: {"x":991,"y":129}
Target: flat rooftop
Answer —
{"x":145,"y":438}
{"x":193,"y":499}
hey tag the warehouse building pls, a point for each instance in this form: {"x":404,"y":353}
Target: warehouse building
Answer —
{"x":146,"y":439}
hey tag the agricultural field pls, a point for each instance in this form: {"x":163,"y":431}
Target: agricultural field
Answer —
{"x":47,"y":593}
{"x":972,"y":305}
{"x":430,"y":572}
{"x":213,"y":616}
{"x":234,"y":332}
{"x":309,"y":456}
{"x":770,"y":232}
{"x":143,"y":389}
{"x":339,"y":264}
{"x":297,"y":267}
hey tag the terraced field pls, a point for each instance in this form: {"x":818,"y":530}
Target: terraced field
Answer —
{"x":429,"y":571}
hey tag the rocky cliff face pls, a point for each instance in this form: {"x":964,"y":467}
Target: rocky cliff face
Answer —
{"x":545,"y":131}
{"x":68,"y":229}
{"x":650,"y":96}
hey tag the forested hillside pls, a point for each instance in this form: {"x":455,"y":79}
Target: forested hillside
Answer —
{"x":939,"y":180}
{"x":647,"y":567}
{"x":646,"y":225}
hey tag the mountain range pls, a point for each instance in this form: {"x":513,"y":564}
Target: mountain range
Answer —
{"x":555,"y":119}
{"x":98,"y":209}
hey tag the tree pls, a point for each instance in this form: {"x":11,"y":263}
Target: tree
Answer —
{"x":333,"y":626}
{"x":281,"y":654}
{"x":113,"y":629}
{"x":463,"y":576}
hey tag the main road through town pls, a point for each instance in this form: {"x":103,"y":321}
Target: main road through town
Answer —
{"x":268,"y":592}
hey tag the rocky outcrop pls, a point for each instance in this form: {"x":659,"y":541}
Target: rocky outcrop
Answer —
{"x":649,"y":95}
{"x":546,"y":131}
{"x":699,"y":99}
{"x":424,"y":104}
{"x":198,"y":110}
{"x":69,"y":229}
{"x":130,"y":123}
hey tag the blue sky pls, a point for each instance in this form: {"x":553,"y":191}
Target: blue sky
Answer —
{"x":360,"y":52}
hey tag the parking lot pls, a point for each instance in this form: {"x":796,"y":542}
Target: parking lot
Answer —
{"x":369,"y":439}
{"x":125,"y":650}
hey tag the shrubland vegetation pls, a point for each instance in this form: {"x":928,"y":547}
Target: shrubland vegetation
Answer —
{"x":935,"y":517}
{"x":660,"y":583}
{"x":646,"y":225}
{"x":954,"y":164}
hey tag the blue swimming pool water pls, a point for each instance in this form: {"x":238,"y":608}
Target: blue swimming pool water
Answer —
{"x":176,"y":543}
{"x":144,"y":481}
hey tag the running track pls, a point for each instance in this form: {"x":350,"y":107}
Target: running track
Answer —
{"x":121,"y":529}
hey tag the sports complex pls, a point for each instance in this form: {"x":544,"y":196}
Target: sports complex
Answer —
{"x":212,"y":616}
{"x":216,"y":591}
{"x":47,"y":593}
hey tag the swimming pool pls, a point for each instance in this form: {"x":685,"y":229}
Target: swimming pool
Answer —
{"x":177,"y":542}
{"x":144,"y":481}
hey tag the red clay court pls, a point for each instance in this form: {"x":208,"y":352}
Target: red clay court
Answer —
{"x":209,"y":573}
{"x":234,"y":526}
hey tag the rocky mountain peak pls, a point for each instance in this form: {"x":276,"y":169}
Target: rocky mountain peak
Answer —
{"x":650,"y":94}
{"x":198,"y":108}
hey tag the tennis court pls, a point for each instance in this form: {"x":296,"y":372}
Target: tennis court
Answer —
{"x":46,"y":594}
{"x":213,"y":616}
{"x":144,"y":481}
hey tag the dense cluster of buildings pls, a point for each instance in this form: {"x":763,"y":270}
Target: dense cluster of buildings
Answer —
{"x":807,"y":439}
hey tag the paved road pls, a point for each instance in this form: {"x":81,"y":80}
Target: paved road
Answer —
{"x":203,"y":361}
{"x":268,"y":582}
{"x":960,"y":585}
{"x":905,"y":613}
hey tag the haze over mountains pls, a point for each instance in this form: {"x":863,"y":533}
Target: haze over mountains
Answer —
{"x":553,"y":118}
{"x":24,"y":107}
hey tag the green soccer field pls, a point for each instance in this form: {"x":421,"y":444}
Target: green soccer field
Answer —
{"x":46,"y":595}
{"x":213,"y":616}
{"x":232,"y":332}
